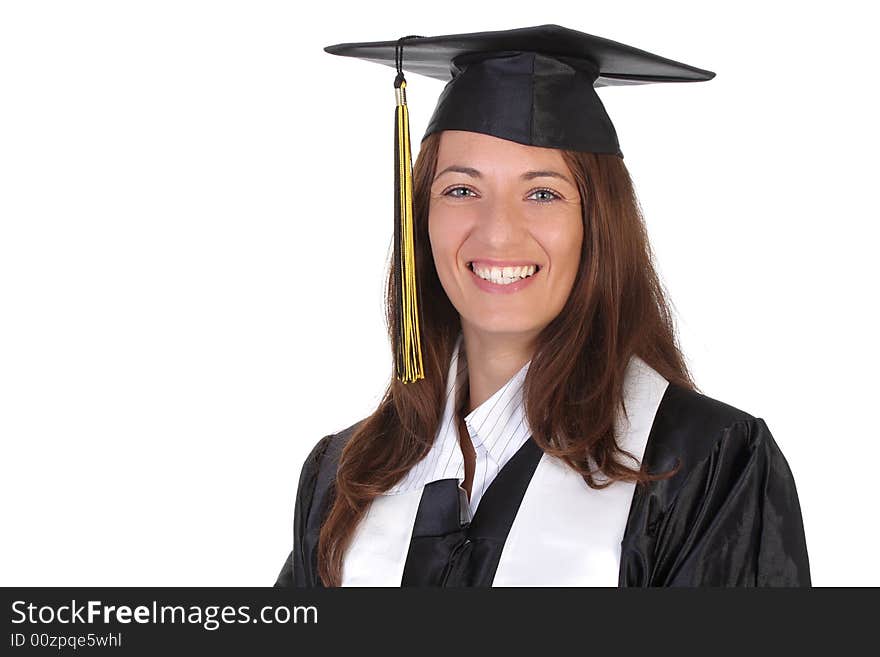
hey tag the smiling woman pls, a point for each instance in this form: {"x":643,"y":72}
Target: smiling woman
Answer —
{"x":556,"y":437}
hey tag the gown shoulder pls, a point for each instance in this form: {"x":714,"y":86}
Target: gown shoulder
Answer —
{"x":729,"y":517}
{"x":317,"y":474}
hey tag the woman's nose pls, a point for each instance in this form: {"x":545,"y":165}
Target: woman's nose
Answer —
{"x":501,"y":219}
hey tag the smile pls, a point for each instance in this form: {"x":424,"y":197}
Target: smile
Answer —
{"x":506,"y":279}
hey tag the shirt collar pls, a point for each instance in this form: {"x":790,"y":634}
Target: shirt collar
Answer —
{"x":499,"y":416}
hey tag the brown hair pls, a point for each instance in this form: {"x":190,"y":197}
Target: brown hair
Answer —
{"x":617,"y":308}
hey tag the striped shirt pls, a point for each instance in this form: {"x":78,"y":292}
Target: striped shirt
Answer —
{"x":498,"y":428}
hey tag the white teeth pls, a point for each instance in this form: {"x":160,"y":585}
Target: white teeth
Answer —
{"x":504,"y":275}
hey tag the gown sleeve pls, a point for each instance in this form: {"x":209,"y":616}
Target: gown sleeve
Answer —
{"x":736,"y":521}
{"x":294,"y":572}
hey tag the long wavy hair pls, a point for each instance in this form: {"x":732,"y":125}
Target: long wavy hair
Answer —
{"x":617,"y":308}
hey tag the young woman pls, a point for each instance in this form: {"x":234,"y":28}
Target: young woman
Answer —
{"x":557,"y":437}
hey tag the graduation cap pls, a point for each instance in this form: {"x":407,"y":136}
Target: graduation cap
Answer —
{"x":533,"y":85}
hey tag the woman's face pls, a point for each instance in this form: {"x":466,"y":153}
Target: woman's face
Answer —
{"x":498,"y":210}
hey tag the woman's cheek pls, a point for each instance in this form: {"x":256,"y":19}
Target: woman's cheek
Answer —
{"x":443,"y":241}
{"x":442,"y":249}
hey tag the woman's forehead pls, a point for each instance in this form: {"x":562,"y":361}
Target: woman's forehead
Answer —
{"x":481,"y":151}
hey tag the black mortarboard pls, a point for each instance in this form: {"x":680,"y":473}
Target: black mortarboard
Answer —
{"x":533,"y":85}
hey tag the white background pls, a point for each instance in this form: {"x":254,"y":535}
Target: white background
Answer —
{"x":195,"y":221}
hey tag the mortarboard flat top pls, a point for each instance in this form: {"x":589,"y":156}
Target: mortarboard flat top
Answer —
{"x":534,"y":85}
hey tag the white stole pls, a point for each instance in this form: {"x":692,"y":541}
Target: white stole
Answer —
{"x":564,"y":534}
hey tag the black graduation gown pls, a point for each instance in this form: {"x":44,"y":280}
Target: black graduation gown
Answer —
{"x":730,"y":517}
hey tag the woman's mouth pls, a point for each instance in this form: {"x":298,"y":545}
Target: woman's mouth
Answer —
{"x":505,"y":279}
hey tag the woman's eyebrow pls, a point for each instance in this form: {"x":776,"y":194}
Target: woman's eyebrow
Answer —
{"x":528,"y":175}
{"x":455,"y":168}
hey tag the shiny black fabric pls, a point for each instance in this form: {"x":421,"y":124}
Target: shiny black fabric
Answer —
{"x":528,"y":98}
{"x":532,"y":85}
{"x":730,"y":517}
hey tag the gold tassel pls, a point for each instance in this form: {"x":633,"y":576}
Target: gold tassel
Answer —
{"x":409,"y":347}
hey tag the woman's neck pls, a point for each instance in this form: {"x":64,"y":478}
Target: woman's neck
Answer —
{"x":492,"y":359}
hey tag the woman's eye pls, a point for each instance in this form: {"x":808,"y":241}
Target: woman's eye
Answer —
{"x":449,"y":192}
{"x":549,"y":195}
